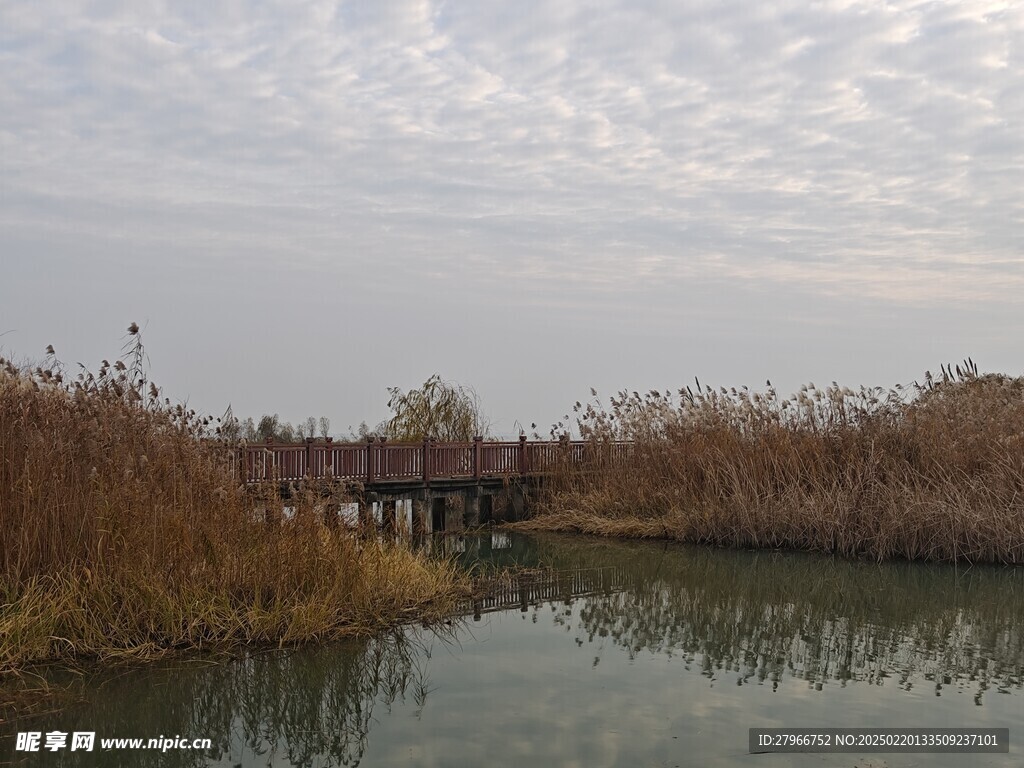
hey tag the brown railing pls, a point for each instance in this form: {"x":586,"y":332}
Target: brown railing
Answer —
{"x":377,"y":461}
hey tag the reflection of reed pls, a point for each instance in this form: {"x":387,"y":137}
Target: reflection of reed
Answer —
{"x":287,"y":708}
{"x":762,"y":615}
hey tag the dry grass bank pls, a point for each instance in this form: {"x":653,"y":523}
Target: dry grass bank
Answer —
{"x":930,"y":472}
{"x":124,"y":533}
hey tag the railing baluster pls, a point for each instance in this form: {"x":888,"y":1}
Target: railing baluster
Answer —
{"x":378,"y":461}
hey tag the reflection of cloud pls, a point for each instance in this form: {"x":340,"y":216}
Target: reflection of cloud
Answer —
{"x":517,"y":689}
{"x":865,"y":147}
{"x":764,"y":617}
{"x":692,"y":625}
{"x":520,"y":692}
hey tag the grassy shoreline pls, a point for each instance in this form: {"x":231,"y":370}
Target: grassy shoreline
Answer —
{"x":124,"y":535}
{"x":932,"y":473}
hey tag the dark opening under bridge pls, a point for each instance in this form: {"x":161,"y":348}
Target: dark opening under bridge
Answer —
{"x":426,"y":473}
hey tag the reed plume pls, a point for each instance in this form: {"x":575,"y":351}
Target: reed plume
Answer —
{"x":124,"y":530}
{"x":933,"y":471}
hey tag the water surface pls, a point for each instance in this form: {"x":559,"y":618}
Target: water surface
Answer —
{"x":608,"y":654}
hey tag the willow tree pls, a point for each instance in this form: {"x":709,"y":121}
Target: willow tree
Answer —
{"x":440,"y":410}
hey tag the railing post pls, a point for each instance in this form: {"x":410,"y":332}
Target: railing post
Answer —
{"x":477,"y":445}
{"x":524,"y":462}
{"x":385,"y":463}
{"x":309,"y":457}
{"x":426,"y":461}
{"x":371,"y":455}
{"x":273,"y":461}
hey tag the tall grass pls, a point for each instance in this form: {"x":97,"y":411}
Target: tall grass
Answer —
{"x":124,"y":531}
{"x":934,"y":471}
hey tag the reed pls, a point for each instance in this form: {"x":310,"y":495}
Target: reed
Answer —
{"x":934,"y":471}
{"x":124,"y":532}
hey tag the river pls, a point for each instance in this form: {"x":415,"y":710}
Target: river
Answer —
{"x":605,"y":653}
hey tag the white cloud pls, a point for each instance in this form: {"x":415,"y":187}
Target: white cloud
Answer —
{"x":868,"y":149}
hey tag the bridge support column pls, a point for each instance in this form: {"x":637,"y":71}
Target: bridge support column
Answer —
{"x":420,"y":518}
{"x":331,"y":512}
{"x":517,"y":502}
{"x":471,"y":510}
{"x":403,"y":516}
{"x":389,"y":515}
{"x":486,"y":508}
{"x":366,"y":510}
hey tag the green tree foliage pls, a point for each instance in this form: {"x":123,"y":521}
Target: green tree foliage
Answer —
{"x":440,"y":409}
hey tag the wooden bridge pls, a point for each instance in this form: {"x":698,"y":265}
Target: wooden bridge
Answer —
{"x":426,"y":474}
{"x":376,"y":463}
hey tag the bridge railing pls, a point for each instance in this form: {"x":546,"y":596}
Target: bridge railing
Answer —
{"x":378,"y":461}
{"x":528,"y":590}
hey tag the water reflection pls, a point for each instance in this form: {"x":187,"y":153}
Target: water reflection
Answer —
{"x":302,"y":707}
{"x":766,"y":615}
{"x":616,"y":639}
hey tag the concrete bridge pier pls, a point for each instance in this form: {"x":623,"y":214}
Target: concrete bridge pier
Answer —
{"x":471,"y":508}
{"x":330,"y":513}
{"x":405,"y":519}
{"x":366,"y":510}
{"x":486,"y":508}
{"x":436,"y":507}
{"x":421,"y":522}
{"x":388,"y":515}
{"x":517,"y":502}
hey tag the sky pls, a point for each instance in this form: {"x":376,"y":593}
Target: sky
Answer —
{"x":303,"y":204}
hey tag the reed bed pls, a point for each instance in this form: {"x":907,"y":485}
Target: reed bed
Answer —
{"x":124,"y":532}
{"x":934,"y":471}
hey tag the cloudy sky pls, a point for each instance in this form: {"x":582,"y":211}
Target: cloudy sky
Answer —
{"x":306,"y":203}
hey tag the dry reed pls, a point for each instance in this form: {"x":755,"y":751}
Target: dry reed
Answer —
{"x":931,"y":472}
{"x":124,"y":532}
